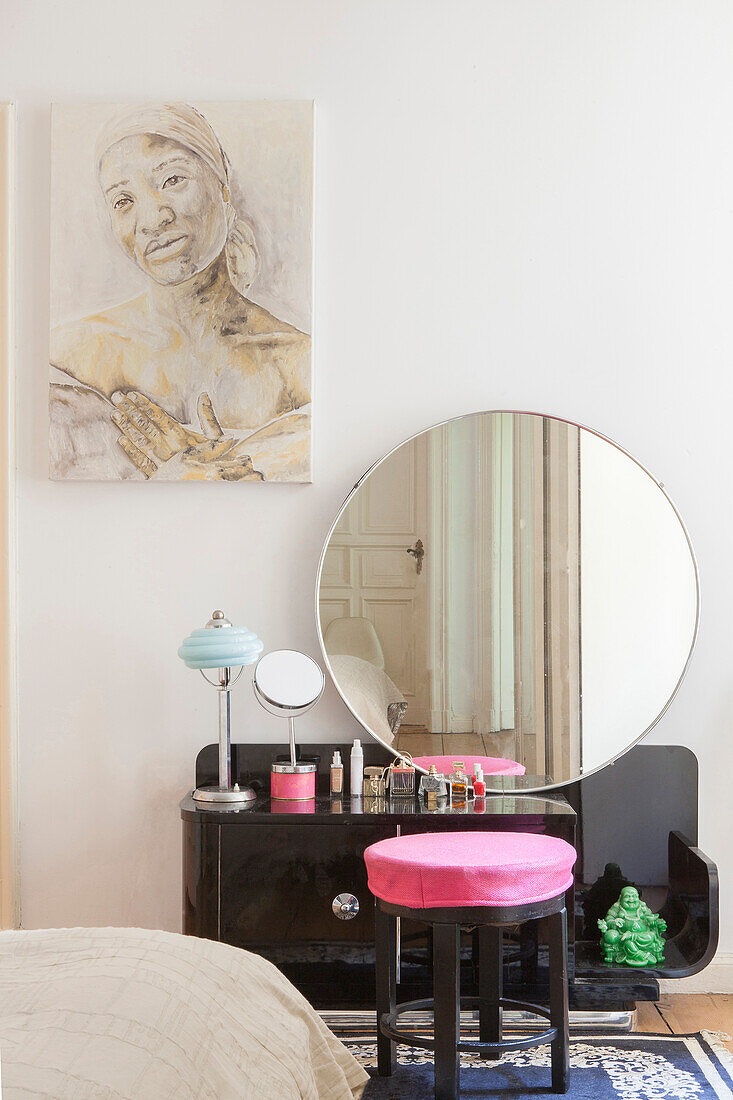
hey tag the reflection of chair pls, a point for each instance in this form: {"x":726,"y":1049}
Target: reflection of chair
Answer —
{"x":491,"y":765}
{"x":355,"y":637}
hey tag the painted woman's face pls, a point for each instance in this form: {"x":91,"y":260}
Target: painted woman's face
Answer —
{"x":165,"y":205}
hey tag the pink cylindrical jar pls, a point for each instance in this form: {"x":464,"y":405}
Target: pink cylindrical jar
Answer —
{"x":292,"y":806}
{"x":294,"y":782}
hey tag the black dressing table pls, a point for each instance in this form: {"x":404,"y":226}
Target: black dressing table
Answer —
{"x":265,"y":877}
{"x":503,"y":585}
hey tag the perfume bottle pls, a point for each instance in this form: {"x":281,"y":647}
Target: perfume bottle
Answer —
{"x":458,"y":782}
{"x":433,"y":788}
{"x":458,"y":770}
{"x":374,"y":783}
{"x":402,"y":778}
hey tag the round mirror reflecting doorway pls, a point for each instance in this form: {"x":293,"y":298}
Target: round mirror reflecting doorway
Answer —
{"x":508,"y":585}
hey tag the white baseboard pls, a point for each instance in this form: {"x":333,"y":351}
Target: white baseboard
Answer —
{"x":717,"y":977}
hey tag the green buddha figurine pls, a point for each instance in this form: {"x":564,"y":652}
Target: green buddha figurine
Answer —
{"x":631,"y":933}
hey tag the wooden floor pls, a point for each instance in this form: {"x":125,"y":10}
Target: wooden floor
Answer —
{"x":419,"y":742}
{"x":680,"y":1013}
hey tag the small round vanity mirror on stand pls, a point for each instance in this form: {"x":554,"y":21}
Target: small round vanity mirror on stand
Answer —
{"x":508,"y":586}
{"x":287,"y":684}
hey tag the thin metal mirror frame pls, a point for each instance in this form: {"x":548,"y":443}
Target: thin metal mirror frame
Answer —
{"x":563,"y":420}
{"x":282,"y":710}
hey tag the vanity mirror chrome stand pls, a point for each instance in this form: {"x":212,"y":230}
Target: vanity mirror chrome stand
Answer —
{"x":288,"y":684}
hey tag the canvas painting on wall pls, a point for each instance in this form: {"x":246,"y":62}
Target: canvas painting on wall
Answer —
{"x":181,"y":291}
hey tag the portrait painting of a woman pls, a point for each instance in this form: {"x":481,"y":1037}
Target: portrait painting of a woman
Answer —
{"x":192,"y":377}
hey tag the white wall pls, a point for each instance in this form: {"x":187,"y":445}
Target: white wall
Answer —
{"x":523,"y":205}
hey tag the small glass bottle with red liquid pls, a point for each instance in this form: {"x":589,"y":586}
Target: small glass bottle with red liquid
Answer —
{"x":479,"y":790}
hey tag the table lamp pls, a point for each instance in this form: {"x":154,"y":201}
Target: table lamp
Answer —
{"x":217,"y":650}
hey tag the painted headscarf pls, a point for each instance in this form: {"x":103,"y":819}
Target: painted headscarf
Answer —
{"x":184,"y":124}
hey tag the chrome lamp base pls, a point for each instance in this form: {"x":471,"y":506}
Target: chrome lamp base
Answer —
{"x":225,"y":795}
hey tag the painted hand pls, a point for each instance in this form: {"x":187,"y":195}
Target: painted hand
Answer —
{"x":163,"y":448}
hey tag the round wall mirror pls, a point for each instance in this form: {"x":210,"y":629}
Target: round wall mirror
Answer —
{"x":513,"y":586}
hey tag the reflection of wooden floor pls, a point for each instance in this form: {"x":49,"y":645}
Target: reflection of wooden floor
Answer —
{"x":416,"y":740}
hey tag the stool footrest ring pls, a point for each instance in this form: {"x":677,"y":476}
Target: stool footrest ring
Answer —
{"x":387,"y":1027}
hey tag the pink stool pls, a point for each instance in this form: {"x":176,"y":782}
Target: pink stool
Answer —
{"x":470,"y":878}
{"x":492,"y":765}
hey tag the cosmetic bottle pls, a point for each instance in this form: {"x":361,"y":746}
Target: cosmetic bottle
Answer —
{"x":356,"y":779}
{"x":337,"y":774}
{"x":375,"y":785}
{"x":459,"y":782}
{"x":433,"y":788}
{"x":401,"y":776}
{"x":479,"y":786}
{"x":458,"y":770}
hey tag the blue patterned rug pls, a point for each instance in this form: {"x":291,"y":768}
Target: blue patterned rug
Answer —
{"x":617,"y":1067}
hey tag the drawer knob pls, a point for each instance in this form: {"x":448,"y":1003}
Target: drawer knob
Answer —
{"x":345,"y":906}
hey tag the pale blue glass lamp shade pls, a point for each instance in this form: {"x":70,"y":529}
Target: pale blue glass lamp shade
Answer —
{"x":227,"y":647}
{"x":221,"y":646}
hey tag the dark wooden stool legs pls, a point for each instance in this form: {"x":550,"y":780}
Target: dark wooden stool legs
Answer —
{"x":447,"y":1010}
{"x":386,"y":965}
{"x":446,"y":1002}
{"x":490,"y":985}
{"x":557,"y":944}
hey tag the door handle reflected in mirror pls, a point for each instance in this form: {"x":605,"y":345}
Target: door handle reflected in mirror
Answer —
{"x":418,"y":553}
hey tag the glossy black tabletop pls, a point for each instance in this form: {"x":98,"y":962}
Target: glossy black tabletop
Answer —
{"x":251,"y":766}
{"x":264,"y":809}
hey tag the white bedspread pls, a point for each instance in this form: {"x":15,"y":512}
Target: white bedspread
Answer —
{"x":112,"y":1013}
{"x":369,"y":691}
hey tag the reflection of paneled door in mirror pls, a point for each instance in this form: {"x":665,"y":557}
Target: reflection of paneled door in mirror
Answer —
{"x":563,"y":692}
{"x":368,"y":572}
{"x":529,"y":592}
{"x":471,"y":599}
{"x":547,"y":540}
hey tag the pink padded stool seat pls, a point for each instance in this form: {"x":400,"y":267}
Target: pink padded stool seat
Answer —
{"x":451,"y":870}
{"x":492,"y":765}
